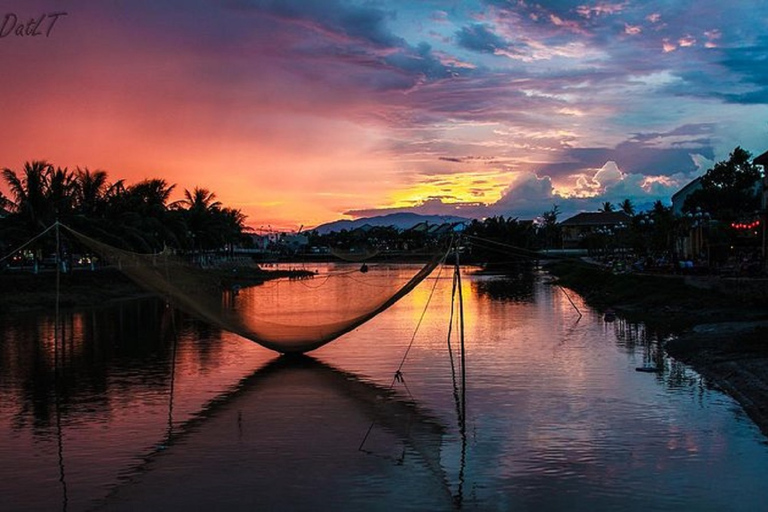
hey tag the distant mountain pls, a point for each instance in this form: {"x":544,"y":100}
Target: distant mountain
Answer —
{"x":397,"y":220}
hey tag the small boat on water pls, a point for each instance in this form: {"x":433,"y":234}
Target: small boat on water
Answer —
{"x":648,"y":368}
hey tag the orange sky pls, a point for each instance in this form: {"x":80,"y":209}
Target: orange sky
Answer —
{"x":300,"y":112}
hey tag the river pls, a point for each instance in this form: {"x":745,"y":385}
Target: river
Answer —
{"x":144,"y":408}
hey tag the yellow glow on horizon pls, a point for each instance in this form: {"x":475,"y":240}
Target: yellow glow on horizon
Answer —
{"x":471,"y":187}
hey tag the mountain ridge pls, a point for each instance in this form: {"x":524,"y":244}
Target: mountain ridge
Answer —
{"x":399,"y":220}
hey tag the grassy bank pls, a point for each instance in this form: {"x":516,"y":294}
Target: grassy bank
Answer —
{"x":725,"y":338}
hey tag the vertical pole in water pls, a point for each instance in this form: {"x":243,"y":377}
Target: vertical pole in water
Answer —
{"x":173,"y":373}
{"x":459,"y":498}
{"x":58,"y":366}
{"x":58,"y":290}
{"x":461,"y":338}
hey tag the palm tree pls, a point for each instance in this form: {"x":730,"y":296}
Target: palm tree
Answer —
{"x":139,"y":215}
{"x":40,"y":195}
{"x":208,"y":224}
{"x":627,"y":207}
{"x":150,"y":195}
{"x":60,"y":191}
{"x":5,"y":205}
{"x":606,"y":207}
{"x":200,"y":199}
{"x":28,"y":192}
{"x":90,"y":192}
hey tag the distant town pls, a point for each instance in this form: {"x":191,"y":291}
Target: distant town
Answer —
{"x":715,"y":224}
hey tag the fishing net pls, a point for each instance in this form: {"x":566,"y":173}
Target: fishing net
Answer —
{"x":356,"y":255}
{"x":294,"y":314}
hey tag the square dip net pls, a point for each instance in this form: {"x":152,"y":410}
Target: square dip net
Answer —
{"x":291,"y":314}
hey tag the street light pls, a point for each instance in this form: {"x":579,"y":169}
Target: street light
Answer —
{"x":700,"y":218}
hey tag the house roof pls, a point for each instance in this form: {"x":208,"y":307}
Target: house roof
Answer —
{"x":421,"y":226}
{"x":596,"y":219}
{"x":761,"y":160}
{"x":687,"y":188}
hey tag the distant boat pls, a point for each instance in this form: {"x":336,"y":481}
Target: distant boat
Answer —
{"x":648,"y":368}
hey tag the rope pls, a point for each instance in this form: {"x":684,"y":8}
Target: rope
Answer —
{"x":570,"y":300}
{"x":307,"y":285}
{"x":22,"y":246}
{"x":421,"y":318}
{"x":483,"y":240}
{"x":533,"y":254}
{"x":450,"y":330}
{"x":398,"y":376}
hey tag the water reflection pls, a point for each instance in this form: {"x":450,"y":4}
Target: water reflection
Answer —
{"x":97,"y":350}
{"x":164,"y":412}
{"x":516,"y":287}
{"x":321,"y":413}
{"x":636,"y":340}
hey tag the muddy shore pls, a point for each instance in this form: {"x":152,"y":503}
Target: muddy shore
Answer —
{"x":723,"y":336}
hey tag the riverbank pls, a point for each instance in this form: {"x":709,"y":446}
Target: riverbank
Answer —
{"x":24,"y":292}
{"x":720,"y":331}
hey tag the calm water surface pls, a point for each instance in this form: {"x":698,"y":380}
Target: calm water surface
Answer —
{"x":151,"y":410}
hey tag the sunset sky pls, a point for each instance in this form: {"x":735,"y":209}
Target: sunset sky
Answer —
{"x":301,"y":112}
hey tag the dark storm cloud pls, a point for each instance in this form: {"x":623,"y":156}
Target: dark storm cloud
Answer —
{"x":749,"y":65}
{"x":684,"y":130}
{"x":632,"y":158}
{"x":479,"y":38}
{"x":363,"y":22}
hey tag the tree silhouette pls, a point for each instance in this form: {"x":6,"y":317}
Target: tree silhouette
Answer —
{"x":627,"y":207}
{"x":90,"y":192}
{"x":550,"y":227}
{"x":28,"y":191}
{"x":203,"y":218}
{"x":728,"y":190}
{"x":138,"y":217}
{"x":5,"y":205}
{"x":606,"y":207}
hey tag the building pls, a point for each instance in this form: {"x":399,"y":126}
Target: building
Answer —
{"x":293,"y":242}
{"x":679,"y":197}
{"x":577,"y":228}
{"x":762,"y":160}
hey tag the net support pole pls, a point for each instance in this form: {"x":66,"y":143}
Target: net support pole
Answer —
{"x":461,"y":340}
{"x":58,"y":296}
{"x":459,"y":497}
{"x":58,"y":368}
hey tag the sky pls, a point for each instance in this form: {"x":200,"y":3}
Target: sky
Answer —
{"x":300,"y":112}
